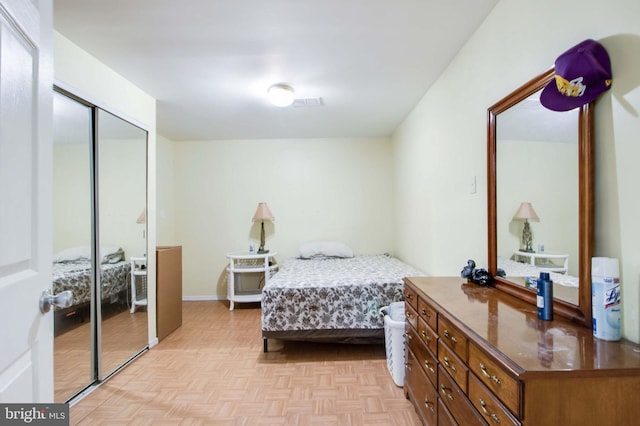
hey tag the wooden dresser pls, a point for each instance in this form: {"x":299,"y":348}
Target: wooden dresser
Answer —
{"x":476,"y":355}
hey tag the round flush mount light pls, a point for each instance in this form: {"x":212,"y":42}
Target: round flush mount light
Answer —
{"x":281,"y":95}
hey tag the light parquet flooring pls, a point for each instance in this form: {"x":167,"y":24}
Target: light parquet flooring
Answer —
{"x":123,"y":335}
{"x":212,"y":370}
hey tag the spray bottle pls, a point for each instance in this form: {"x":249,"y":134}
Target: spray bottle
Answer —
{"x":545,"y":297}
{"x":605,"y":298}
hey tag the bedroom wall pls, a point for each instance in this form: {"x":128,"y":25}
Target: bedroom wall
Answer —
{"x":442,"y":143}
{"x":165,"y":203}
{"x":85,"y":76}
{"x":72,"y":219}
{"x":317,"y":189}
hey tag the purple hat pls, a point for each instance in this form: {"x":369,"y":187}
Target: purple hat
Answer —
{"x":582,"y":73}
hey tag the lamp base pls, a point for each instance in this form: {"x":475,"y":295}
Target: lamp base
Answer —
{"x":263,"y":251}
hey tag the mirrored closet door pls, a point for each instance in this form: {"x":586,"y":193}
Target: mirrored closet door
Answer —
{"x":99,"y":232}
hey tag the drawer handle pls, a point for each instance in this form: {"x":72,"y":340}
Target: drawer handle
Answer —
{"x":429,"y":367}
{"x":429,"y":405}
{"x":426,"y":313}
{"x":449,"y":365}
{"x":425,"y":336}
{"x":408,"y":296}
{"x":492,"y":416}
{"x":407,"y":366}
{"x":408,"y":336}
{"x":409,"y":314}
{"x":483,"y":369}
{"x":450,"y":337}
{"x":446,"y":392}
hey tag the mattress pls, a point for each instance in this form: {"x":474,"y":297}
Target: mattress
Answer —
{"x":333,"y":293}
{"x":76,"y":276}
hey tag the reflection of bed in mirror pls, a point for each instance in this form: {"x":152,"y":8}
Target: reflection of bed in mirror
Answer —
{"x":72,"y":270}
{"x":525,"y":274}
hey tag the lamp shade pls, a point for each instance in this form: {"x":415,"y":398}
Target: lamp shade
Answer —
{"x":263,"y":213}
{"x":526,"y":212}
{"x":143,"y":216}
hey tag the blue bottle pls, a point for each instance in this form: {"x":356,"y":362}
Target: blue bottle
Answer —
{"x":545,"y":297}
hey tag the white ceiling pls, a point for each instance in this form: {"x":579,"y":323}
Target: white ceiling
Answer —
{"x":210,"y":62}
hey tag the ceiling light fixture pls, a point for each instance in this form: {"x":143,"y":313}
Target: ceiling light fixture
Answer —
{"x":281,"y":95}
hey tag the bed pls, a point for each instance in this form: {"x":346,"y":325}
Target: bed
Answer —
{"x":328,"y":298}
{"x":72,"y":270}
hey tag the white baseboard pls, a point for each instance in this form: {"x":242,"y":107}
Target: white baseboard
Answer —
{"x":201,"y":298}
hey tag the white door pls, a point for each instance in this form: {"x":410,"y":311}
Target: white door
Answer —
{"x":26,"y":78}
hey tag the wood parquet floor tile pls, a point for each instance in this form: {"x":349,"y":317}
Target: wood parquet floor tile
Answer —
{"x":212,"y":371}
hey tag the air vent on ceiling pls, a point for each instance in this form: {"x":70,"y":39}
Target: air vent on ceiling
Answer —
{"x":307,"y":102}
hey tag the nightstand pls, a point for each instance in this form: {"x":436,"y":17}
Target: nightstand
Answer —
{"x":546,"y":261}
{"x":248,"y":263}
{"x":138,"y":282}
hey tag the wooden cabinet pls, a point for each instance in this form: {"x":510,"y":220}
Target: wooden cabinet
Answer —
{"x":168,"y":289}
{"x":476,"y":355}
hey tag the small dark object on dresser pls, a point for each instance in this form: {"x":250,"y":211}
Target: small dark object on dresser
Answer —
{"x":479,"y":276}
{"x":467,"y":271}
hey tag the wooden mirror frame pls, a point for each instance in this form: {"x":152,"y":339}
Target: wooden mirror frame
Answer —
{"x":582,"y":313}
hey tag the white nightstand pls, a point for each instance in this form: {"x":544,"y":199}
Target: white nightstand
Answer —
{"x":546,"y":260}
{"x":246,"y":263}
{"x":138,"y":282}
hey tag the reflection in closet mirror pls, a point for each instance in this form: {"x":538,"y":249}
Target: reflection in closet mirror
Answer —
{"x":544,"y":158}
{"x":122,"y":194}
{"x":99,"y":190}
{"x":72,"y":224}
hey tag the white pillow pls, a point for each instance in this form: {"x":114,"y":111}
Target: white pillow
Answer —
{"x":109,"y":254}
{"x":73,"y":253}
{"x":325,"y":249}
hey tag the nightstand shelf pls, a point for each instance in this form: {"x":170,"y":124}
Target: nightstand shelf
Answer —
{"x":546,"y":260}
{"x":248,"y":263}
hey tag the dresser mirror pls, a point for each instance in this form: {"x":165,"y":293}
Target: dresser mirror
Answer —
{"x":540,"y":198}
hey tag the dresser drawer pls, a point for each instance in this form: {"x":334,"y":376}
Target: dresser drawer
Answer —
{"x":410,"y":297}
{"x":453,"y":366}
{"x":452,"y":337}
{"x":488,"y":405}
{"x":411,"y":316}
{"x":426,"y":359}
{"x":428,"y":335}
{"x":444,"y":415}
{"x":423,"y":392}
{"x":456,"y":401}
{"x":428,"y":313}
{"x":501,"y":384}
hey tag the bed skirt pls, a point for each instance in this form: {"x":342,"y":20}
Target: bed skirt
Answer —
{"x":351,"y":336}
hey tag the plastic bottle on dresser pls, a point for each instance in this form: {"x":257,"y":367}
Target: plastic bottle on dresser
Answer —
{"x":605,"y":298}
{"x":545,"y":297}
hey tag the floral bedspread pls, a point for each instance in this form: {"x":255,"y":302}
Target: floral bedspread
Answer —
{"x":76,"y":276}
{"x":333,"y":293}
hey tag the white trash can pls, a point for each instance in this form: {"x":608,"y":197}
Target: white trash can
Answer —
{"x":394,"y":340}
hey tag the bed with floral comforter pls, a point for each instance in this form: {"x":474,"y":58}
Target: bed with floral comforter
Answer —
{"x":332,"y":299}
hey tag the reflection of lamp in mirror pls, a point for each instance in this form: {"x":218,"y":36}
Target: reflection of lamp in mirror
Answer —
{"x":142,"y":219}
{"x":262,"y":213}
{"x":526,"y":213}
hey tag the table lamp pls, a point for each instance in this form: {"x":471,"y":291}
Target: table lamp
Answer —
{"x":526,"y":213}
{"x":262,"y":213}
